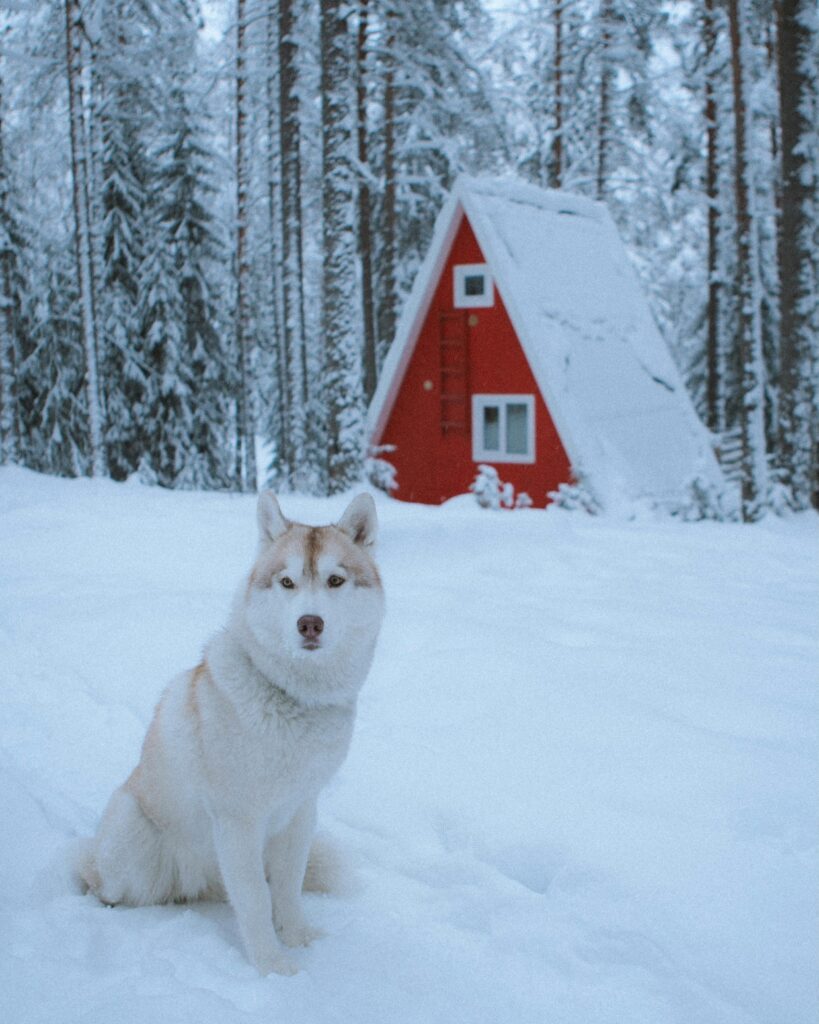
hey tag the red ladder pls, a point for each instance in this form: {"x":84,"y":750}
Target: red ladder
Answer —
{"x":454,"y":363}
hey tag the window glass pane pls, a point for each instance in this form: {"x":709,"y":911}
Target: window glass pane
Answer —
{"x":491,"y":428}
{"x":517,"y":433}
{"x":474,"y":284}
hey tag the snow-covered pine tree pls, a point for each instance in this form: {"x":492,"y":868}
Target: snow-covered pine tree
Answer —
{"x":749,"y":327}
{"x":51,"y":372}
{"x":128,"y":35}
{"x":798,"y":40}
{"x":343,"y":391}
{"x":80,"y":181}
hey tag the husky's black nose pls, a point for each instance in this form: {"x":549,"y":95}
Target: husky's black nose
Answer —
{"x":310,"y":626}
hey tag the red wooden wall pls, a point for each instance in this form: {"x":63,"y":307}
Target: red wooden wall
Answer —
{"x":434,"y":462}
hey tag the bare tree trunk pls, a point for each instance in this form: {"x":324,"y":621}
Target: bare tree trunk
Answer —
{"x":797,"y":256}
{"x":342,"y":362}
{"x":389,"y":218}
{"x":715,"y":400}
{"x":365,"y":206}
{"x":292,"y":286}
{"x":83,"y":241}
{"x":606,"y":16}
{"x":281,"y":417}
{"x":556,"y":161}
{"x":9,"y":441}
{"x":754,"y":465}
{"x":246,"y":433}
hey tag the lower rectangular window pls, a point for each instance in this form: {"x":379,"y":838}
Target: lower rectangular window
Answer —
{"x":503,"y":428}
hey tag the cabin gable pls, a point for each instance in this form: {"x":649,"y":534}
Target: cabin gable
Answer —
{"x":468,"y":390}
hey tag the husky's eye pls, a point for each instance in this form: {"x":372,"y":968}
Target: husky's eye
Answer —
{"x":287,"y":583}
{"x":335,"y":581}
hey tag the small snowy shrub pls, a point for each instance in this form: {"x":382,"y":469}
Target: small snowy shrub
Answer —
{"x":575,"y":497}
{"x":487,"y":487}
{"x":703,"y":501}
{"x":381,"y":473}
{"x":491,"y":492}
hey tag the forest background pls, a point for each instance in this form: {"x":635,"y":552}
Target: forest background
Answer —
{"x":209,"y":217}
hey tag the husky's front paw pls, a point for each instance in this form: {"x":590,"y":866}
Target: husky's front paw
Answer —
{"x":276,"y":963}
{"x":299,"y":933}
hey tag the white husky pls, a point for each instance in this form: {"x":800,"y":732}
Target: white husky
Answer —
{"x":223,"y":800}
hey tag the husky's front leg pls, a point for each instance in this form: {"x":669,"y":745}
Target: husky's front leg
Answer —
{"x":286,"y":858}
{"x":239,"y":848}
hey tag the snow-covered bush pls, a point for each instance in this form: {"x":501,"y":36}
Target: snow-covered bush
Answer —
{"x":487,"y":487}
{"x":381,"y":473}
{"x":704,"y":500}
{"x":575,"y":497}
{"x":491,"y":492}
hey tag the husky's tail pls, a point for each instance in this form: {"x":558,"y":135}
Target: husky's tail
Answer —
{"x":327,"y":870}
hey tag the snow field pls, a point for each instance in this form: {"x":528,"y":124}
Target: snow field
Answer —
{"x":582,"y":787}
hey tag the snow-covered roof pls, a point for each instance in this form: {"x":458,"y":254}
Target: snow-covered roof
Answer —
{"x":606,"y":374}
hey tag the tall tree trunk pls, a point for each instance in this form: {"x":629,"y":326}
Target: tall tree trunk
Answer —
{"x":606,"y":17}
{"x":83,"y":241}
{"x":292,"y":286}
{"x":389,"y":216}
{"x":365,"y":206}
{"x":342,"y":358}
{"x":754,"y":464}
{"x":246,"y":433}
{"x":715,"y":401}
{"x":281,"y":417}
{"x":797,"y":257}
{"x":9,"y":440}
{"x":556,"y":161}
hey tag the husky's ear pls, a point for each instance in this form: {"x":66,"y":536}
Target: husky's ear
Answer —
{"x":272,"y":523}
{"x":360,"y":521}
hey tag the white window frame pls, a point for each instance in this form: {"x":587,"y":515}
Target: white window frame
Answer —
{"x":481,"y":402}
{"x":460,"y":299}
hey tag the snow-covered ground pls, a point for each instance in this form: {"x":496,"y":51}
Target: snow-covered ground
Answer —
{"x":582,"y":789}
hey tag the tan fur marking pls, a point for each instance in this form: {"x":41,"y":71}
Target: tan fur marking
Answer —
{"x":191,"y":697}
{"x":264,"y":572}
{"x":136,"y":781}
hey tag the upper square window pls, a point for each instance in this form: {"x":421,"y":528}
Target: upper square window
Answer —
{"x":472,"y":286}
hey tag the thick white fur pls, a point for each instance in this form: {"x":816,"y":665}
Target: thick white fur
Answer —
{"x":223,"y":800}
